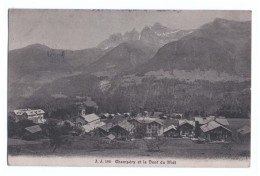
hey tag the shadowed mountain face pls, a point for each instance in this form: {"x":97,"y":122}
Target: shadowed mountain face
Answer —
{"x":126,"y":56}
{"x":223,"y":46}
{"x":36,"y":65}
{"x":36,"y":58}
{"x":156,"y":35}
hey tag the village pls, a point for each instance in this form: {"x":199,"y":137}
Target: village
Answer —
{"x":129,"y":127}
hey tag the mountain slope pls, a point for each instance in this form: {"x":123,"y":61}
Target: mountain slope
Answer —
{"x":33,"y":66}
{"x":159,"y":35}
{"x":215,"y":46}
{"x":124,"y":57}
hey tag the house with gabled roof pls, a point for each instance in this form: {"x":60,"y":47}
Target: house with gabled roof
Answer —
{"x":186,"y":127}
{"x":104,"y":129}
{"x":214,"y":131}
{"x":122,"y":130}
{"x":171,"y":131}
{"x":92,"y":126}
{"x":153,"y":126}
{"x":213,"y":128}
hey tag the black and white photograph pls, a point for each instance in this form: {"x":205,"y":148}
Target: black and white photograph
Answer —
{"x":129,"y":88}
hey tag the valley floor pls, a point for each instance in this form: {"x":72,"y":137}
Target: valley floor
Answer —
{"x":173,"y":147}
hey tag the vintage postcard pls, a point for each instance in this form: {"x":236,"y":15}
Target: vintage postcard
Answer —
{"x":129,"y":88}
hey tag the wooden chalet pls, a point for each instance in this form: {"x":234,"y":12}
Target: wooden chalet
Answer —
{"x":171,"y":131}
{"x":122,"y":130}
{"x":186,"y":128}
{"x":214,"y":131}
{"x":153,"y":126}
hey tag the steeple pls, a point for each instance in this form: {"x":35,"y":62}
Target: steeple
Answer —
{"x":81,"y":110}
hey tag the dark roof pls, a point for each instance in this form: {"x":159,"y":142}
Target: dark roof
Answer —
{"x":168,"y":122}
{"x":115,"y":120}
{"x":157,"y":114}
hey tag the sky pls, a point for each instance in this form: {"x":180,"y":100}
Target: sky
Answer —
{"x":81,"y":29}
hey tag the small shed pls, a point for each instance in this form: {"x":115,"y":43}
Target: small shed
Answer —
{"x":33,"y":129}
{"x":32,"y":133}
{"x":244,"y":134}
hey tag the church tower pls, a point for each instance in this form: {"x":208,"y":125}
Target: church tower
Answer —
{"x":81,"y":110}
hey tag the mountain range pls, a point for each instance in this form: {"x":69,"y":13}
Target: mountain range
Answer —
{"x":223,"y":46}
{"x":156,"y":35}
{"x":205,"y":69}
{"x":36,"y":65}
